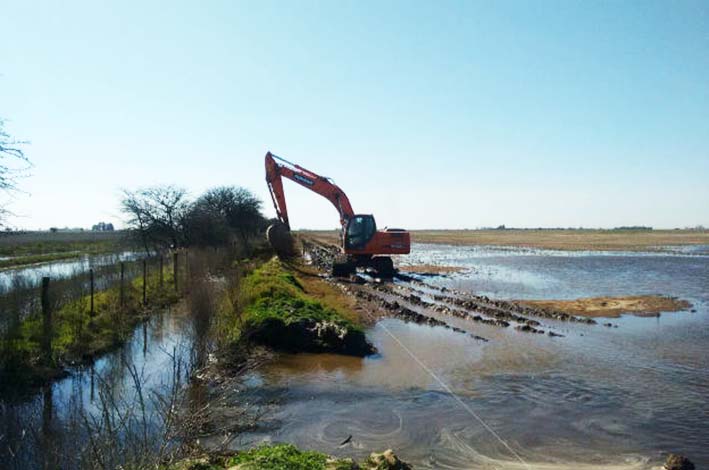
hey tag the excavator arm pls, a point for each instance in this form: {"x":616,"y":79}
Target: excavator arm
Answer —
{"x":277,"y":167}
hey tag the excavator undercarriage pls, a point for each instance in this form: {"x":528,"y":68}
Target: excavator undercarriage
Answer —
{"x":382,"y":266}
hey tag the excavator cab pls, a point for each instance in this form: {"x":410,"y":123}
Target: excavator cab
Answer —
{"x":360,"y":230}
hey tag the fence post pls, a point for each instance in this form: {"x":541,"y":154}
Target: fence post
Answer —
{"x":161,"y":270}
{"x":122,"y":296}
{"x":91,"y":283}
{"x":145,"y":280}
{"x":187,"y":270}
{"x":174,"y":269}
{"x":46,"y":321}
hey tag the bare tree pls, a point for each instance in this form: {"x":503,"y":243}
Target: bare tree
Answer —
{"x":13,"y":163}
{"x":158,"y":215}
{"x":162,"y":217}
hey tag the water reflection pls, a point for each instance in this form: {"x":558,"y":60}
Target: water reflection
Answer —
{"x":36,"y":432}
{"x":61,"y":269}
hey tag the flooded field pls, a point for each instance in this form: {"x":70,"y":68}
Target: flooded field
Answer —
{"x":62,"y":269}
{"x":597,"y":398}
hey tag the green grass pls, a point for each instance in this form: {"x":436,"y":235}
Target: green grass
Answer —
{"x":272,"y":292}
{"x":269,"y":457}
{"x":280,"y":457}
{"x":283,"y":457}
{"x":284,"y":307}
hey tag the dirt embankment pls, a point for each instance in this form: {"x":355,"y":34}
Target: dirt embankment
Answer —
{"x":614,"y":307}
{"x":283,"y":311}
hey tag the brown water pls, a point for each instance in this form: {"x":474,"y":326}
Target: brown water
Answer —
{"x":597,"y":398}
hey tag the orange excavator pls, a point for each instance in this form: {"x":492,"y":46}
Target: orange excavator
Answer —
{"x":362,"y":245}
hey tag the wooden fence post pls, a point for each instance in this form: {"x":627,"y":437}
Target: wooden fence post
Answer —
{"x":174,"y":269}
{"x":122,"y":289}
{"x":145,"y":281}
{"x":91,"y":283}
{"x":46,"y":321}
{"x":161,"y":270}
{"x":187,"y":270}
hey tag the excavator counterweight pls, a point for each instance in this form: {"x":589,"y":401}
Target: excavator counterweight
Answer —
{"x":362,"y":245}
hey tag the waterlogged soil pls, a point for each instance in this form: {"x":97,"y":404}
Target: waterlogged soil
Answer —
{"x":639,"y":305}
{"x":467,"y":377}
{"x":430,"y":269}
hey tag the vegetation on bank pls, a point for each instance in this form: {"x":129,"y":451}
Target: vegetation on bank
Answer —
{"x":281,"y":309}
{"x":286,"y":457}
{"x":289,"y":457}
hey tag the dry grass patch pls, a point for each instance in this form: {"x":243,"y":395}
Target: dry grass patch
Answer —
{"x":574,"y":240}
{"x":431,"y":269}
{"x":639,"y":305}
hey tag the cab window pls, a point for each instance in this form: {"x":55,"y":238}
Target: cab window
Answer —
{"x":360,"y":230}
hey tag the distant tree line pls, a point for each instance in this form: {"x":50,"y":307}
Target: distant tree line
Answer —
{"x":164,"y":217}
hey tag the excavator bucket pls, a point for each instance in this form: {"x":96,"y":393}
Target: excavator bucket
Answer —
{"x":281,"y":240}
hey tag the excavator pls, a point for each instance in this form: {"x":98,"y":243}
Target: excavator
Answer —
{"x":362,"y":245}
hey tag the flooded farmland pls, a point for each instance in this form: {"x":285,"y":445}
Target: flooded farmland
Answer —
{"x":597,"y":398}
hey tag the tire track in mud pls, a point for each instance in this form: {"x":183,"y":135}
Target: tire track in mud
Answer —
{"x":413,"y":300}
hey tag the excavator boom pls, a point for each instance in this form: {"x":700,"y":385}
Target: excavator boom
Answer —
{"x":277,"y":167}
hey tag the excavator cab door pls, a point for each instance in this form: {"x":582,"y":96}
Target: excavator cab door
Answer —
{"x":360,"y":229}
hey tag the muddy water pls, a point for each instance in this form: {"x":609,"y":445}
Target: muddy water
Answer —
{"x":597,"y":398}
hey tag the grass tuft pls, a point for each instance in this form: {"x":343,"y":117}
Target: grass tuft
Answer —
{"x":279,"y":457}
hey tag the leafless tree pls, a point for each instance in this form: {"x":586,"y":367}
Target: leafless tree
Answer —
{"x":157,"y":214}
{"x":13,"y":164}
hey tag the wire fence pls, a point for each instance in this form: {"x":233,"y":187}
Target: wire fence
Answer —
{"x":134,"y":280}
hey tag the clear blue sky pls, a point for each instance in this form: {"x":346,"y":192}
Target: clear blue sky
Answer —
{"x":428,"y":114}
